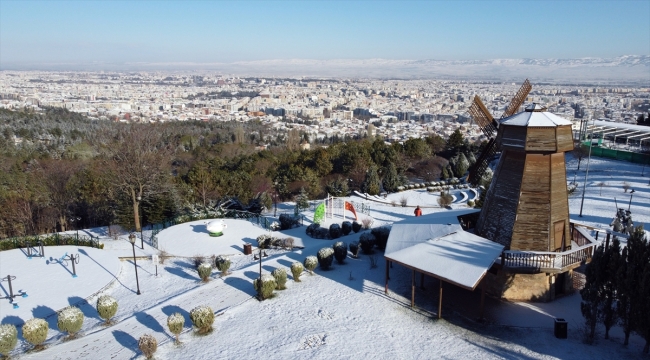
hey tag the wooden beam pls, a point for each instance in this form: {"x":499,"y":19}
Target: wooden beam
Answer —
{"x":482,"y":300}
{"x":440,"y":301}
{"x":386,"y":287}
{"x":412,"y":288}
{"x":422,"y":281}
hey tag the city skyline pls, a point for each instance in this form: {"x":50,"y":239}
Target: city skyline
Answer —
{"x":38,"y":34}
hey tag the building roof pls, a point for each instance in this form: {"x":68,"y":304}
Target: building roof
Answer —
{"x":437,"y":245}
{"x":535,"y":119}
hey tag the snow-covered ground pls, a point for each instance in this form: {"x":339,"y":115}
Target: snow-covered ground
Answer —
{"x":343,"y":312}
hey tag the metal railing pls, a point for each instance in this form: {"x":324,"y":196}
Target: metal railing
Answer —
{"x":540,"y":260}
{"x":49,"y":240}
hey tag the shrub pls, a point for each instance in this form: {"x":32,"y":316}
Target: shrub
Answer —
{"x":35,"y":331}
{"x":354,"y":248}
{"x":148,"y":345}
{"x":431,"y":189}
{"x":202,"y":318}
{"x":280,"y":276}
{"x":276,"y":242}
{"x":264,"y":286}
{"x":445,"y":199}
{"x":222,"y":263}
{"x":346,"y":227}
{"x":335,"y":231}
{"x":400,"y":188}
{"x":205,"y":270}
{"x":175,"y":323}
{"x":356,"y":227}
{"x":325,"y":257}
{"x":287,"y":221}
{"x":310,"y":263}
{"x":163,"y":256}
{"x":106,"y":307}
{"x":367,"y":223}
{"x":322,"y":233}
{"x":197,"y":260}
{"x":367,"y":242}
{"x":340,"y":251}
{"x":470,"y":203}
{"x":312,"y":228}
{"x":296,"y":270}
{"x":8,"y":338}
{"x":264,"y":241}
{"x":381,"y":236}
{"x":287,"y":243}
{"x":403,"y":201}
{"x":70,"y":320}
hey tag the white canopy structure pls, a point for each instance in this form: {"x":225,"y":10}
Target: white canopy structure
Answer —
{"x":436,"y":245}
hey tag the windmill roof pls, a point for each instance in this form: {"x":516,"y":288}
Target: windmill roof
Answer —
{"x":535,"y":119}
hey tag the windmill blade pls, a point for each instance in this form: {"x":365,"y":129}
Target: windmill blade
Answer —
{"x":482,"y":117}
{"x":481,"y":164}
{"x":518,"y":99}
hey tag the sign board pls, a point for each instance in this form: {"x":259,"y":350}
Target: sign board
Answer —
{"x":154,"y":259}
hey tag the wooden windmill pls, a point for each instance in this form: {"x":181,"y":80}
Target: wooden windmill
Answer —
{"x":526,"y":206}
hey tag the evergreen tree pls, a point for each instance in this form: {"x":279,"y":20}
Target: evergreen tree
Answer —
{"x":371,"y":185}
{"x":592,"y":300}
{"x":611,"y":263}
{"x":633,"y":260}
{"x":391,"y":179}
{"x":338,"y":187}
{"x":302,"y":200}
{"x":445,"y":173}
{"x":455,"y":141}
{"x":461,"y":165}
{"x":643,"y":319}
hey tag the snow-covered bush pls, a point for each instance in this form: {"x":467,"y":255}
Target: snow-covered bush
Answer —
{"x":346,"y":227}
{"x":264,"y":286}
{"x":470,"y":203}
{"x":322,"y":233}
{"x":275,"y":226}
{"x":325,"y":257}
{"x":312,"y":228}
{"x":296,"y":270}
{"x":106,"y":307}
{"x":356,"y":227}
{"x":310,"y":263}
{"x":367,"y":242}
{"x":335,"y":231}
{"x":280,"y":276}
{"x":175,"y":323}
{"x":287,"y":221}
{"x":400,"y":188}
{"x":70,"y":320}
{"x":205,"y":270}
{"x":431,"y":189}
{"x":8,"y":338}
{"x":381,"y":236}
{"x":340,"y":251}
{"x":202,"y":318}
{"x":148,"y":345}
{"x":264,"y":241}
{"x":354,"y":248}
{"x":222,"y":263}
{"x":288,"y":243}
{"x":367,"y":222}
{"x":35,"y":331}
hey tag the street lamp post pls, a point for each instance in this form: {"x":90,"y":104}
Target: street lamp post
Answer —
{"x":132,"y":241}
{"x":140,"y":216}
{"x":630,"y":203}
{"x":275,"y":199}
{"x":584,"y":186}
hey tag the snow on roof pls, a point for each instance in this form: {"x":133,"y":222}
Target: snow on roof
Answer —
{"x":419,"y":229}
{"x":460,"y":258}
{"x":535,"y":119}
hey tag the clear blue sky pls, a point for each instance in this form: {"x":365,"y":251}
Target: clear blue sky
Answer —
{"x":41,"y":32}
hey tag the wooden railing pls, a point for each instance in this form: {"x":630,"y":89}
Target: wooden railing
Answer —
{"x":540,"y":260}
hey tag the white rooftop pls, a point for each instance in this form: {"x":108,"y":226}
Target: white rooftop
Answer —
{"x":535,"y":118}
{"x":460,"y":258}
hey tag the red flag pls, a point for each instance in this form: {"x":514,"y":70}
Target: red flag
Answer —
{"x":348,"y":206}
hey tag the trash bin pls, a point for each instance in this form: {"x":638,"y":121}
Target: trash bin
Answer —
{"x":248,"y":249}
{"x":560,"y":328}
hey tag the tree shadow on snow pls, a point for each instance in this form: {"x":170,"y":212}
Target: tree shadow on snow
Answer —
{"x":202,"y":229}
{"x":150,"y":322}
{"x":253,"y":275}
{"x":241,"y":284}
{"x":47,"y":313}
{"x":14,"y":320}
{"x":88,"y":310}
{"x":180,"y":272}
{"x":126,"y":340}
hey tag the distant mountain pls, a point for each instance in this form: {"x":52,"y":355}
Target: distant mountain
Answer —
{"x":633,"y":69}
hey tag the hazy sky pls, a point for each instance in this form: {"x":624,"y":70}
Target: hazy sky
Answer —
{"x":42,"y":32}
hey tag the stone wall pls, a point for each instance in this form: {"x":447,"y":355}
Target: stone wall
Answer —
{"x":526,"y":287}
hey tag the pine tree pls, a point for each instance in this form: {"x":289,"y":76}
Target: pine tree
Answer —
{"x":391,"y":179}
{"x":302,"y":200}
{"x":612,"y":261}
{"x":371,"y":185}
{"x":643,"y":319}
{"x":629,"y":305}
{"x":461,"y":166}
{"x":445,"y":173}
{"x":592,"y":300}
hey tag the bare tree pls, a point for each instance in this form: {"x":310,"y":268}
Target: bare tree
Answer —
{"x":139,"y":164}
